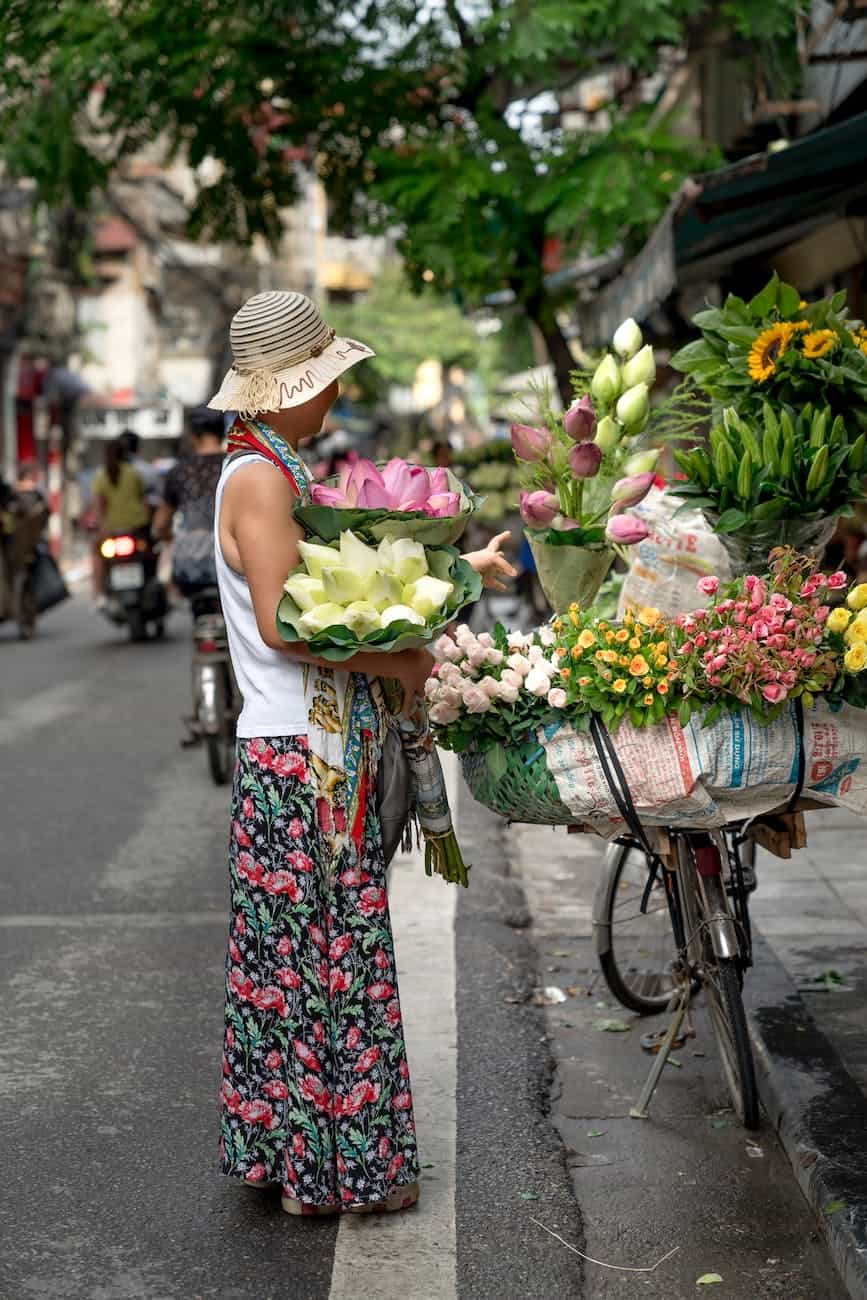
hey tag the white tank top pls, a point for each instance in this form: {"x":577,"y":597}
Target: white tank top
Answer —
{"x":270,"y":683}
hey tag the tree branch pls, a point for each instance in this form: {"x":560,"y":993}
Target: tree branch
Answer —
{"x":460,"y":24}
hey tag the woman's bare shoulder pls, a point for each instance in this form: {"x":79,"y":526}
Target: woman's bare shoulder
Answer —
{"x":258,"y":484}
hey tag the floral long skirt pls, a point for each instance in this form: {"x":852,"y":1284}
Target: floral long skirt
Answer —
{"x":316,"y":1093}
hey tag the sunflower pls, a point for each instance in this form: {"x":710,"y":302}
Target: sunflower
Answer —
{"x":818,"y":342}
{"x":859,"y":338}
{"x":767,"y":349}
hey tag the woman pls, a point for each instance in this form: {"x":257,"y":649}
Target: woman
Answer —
{"x":119,"y":507}
{"x":191,"y":488}
{"x":316,"y":1093}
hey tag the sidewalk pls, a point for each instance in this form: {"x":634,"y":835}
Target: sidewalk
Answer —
{"x":807,"y":1000}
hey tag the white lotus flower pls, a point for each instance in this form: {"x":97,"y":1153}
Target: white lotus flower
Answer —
{"x":408,"y":560}
{"x":305,"y":590}
{"x":362,"y":617}
{"x":344,"y":585}
{"x":317,"y":557}
{"x":356,"y":554}
{"x":627,"y":339}
{"x":395,"y":612}
{"x":427,"y":595}
{"x":320,"y":617}
{"x":383,"y":589}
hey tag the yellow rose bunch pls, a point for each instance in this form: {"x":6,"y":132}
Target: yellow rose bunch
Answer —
{"x":616,"y":669}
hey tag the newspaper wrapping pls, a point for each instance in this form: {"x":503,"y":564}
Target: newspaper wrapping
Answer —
{"x":705,"y":777}
{"x":666,"y":566}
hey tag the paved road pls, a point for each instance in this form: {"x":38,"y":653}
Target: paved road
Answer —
{"x":113,"y":914}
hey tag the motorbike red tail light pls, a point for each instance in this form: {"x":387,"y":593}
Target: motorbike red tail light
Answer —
{"x":208,"y":647}
{"x":124,"y":546}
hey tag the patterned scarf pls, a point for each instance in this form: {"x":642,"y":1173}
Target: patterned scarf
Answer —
{"x":341,"y":707}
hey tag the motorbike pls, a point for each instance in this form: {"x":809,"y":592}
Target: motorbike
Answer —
{"x":216,"y":699}
{"x":134,"y":594}
{"x":22,"y":522}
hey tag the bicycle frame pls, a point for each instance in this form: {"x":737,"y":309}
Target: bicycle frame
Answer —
{"x":701,"y":912}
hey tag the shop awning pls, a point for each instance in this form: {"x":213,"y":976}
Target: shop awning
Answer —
{"x":745,"y":210}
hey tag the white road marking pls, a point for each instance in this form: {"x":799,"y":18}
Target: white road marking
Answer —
{"x":41,"y":710}
{"x":413,"y":1255}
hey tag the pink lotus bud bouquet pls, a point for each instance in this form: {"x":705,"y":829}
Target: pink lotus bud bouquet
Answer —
{"x":583,"y":471}
{"x":398,"y":500}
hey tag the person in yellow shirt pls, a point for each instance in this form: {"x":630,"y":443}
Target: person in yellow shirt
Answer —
{"x":119,"y":501}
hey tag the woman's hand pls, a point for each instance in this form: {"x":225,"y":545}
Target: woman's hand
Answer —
{"x":412,"y":668}
{"x":491,"y":565}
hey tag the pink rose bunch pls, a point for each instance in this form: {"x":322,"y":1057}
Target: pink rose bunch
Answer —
{"x":510,"y":675}
{"x":399,"y":486}
{"x":761,"y":643}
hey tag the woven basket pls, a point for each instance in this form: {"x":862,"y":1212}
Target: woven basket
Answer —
{"x":525,"y":792}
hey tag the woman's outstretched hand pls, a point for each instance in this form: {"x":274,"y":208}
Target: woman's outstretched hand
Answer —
{"x":491,"y":565}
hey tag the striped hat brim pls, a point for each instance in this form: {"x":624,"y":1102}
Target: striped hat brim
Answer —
{"x":293,"y":385}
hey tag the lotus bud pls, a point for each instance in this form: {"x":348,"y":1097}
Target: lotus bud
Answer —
{"x":642,"y":462}
{"x":427,"y":596}
{"x":529,"y":443}
{"x":627,"y":339}
{"x":641,"y":369}
{"x":626,"y":529}
{"x":538,"y":509}
{"x":585,"y":459}
{"x":633,"y":406}
{"x":608,"y":433}
{"x":395,"y":613}
{"x":606,"y":382}
{"x":362,"y":618}
{"x":321,"y":617}
{"x":627,"y":492}
{"x":305,"y":590}
{"x":580,"y":420}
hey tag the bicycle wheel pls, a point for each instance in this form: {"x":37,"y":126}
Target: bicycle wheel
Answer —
{"x":635,"y":949}
{"x":220,"y":743}
{"x":722,"y":986}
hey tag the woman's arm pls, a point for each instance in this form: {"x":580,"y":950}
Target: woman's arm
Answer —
{"x":162,"y":525}
{"x":260,"y":539}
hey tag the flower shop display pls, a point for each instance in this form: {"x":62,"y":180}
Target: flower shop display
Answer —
{"x":401,"y":499}
{"x":788,"y":445}
{"x":490,"y":471}
{"x":583,"y":471}
{"x":700,"y":708}
{"x":348,"y":596}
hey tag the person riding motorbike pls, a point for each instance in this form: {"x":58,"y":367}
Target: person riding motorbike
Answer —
{"x":23,"y":515}
{"x":190,"y":489}
{"x":119,"y":505}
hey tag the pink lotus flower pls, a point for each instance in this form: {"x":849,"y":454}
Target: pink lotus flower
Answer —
{"x":585,"y":459}
{"x":443,"y":505}
{"x":626,"y":529}
{"x":538,"y":509}
{"x":322,"y":495}
{"x":580,"y":420}
{"x":530,"y":444}
{"x":627,"y":492}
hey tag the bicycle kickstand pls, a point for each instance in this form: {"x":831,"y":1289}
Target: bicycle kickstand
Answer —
{"x":680,"y":1007}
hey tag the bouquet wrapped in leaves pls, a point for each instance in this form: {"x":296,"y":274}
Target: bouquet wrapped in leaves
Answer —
{"x":348,"y":596}
{"x":400,"y":500}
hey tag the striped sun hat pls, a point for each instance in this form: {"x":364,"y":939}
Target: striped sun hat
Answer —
{"x":283,"y":354}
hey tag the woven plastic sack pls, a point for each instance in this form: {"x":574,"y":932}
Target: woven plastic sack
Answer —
{"x":666,"y":566}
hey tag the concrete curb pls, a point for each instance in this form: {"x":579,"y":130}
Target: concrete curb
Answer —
{"x":816,"y":1107}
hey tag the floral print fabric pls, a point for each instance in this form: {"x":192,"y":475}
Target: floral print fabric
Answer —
{"x":316,"y":1092}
